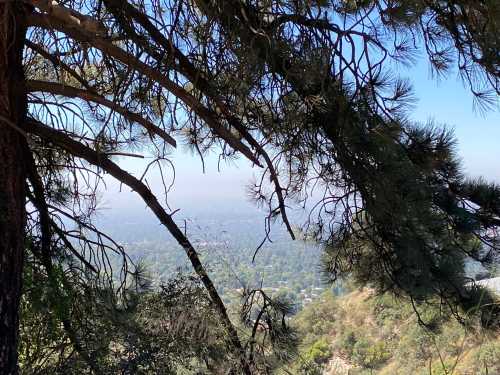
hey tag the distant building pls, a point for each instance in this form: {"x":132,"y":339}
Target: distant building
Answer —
{"x":492,"y":284}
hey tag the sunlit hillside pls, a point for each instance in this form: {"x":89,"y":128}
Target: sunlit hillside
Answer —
{"x":361,"y":333}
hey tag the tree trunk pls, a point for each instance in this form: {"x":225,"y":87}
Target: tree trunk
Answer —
{"x":12,"y":178}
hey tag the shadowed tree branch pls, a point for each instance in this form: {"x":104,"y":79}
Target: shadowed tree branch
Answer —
{"x":73,"y":92}
{"x":82,"y":35}
{"x":99,"y":160}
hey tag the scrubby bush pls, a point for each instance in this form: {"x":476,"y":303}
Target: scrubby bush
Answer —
{"x":414,"y":345}
{"x":488,"y":358}
{"x":370,"y":355}
{"x":346,"y":342}
{"x":319,"y":352}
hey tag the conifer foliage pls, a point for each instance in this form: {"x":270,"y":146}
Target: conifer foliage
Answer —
{"x":302,"y":89}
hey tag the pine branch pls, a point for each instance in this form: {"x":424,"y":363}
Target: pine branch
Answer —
{"x":93,"y":157}
{"x":209,"y":117}
{"x":73,"y":92}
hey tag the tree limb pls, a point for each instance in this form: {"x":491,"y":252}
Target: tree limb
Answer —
{"x":93,"y":157}
{"x":73,"y":92}
{"x":210,"y":117}
{"x":198,"y":79}
{"x":56,"y":61}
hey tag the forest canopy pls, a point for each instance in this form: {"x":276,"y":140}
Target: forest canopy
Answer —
{"x":304,"y":90}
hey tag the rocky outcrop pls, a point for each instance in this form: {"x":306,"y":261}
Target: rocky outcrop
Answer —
{"x":338,"y":366}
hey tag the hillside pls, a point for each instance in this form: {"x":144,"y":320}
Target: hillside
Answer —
{"x":360,"y":333}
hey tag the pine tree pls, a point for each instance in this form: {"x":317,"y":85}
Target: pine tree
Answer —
{"x":302,"y":90}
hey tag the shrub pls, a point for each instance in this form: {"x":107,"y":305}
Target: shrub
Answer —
{"x":370,"y":355}
{"x":488,"y":358}
{"x":346,"y":342}
{"x":320,"y":352}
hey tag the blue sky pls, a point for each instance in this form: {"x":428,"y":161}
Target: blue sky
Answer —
{"x":444,"y":101}
{"x":448,"y":102}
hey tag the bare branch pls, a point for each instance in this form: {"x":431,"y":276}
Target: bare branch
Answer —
{"x":209,"y":117}
{"x":93,"y":157}
{"x":73,"y":92}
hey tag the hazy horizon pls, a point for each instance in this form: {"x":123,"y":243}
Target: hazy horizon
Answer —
{"x":196,"y":193}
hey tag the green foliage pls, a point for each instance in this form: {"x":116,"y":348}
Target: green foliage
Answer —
{"x":313,"y":326}
{"x":40,"y":325}
{"x":319,"y":352}
{"x":289,"y":267}
{"x":378,"y":334}
{"x":442,"y":367}
{"x":490,"y":353}
{"x":397,"y":214}
{"x":309,"y":368}
{"x":318,"y":318}
{"x":414,"y":346}
{"x":271,"y":340}
{"x":168,"y":331}
{"x":370,"y":355}
{"x":346,"y":342}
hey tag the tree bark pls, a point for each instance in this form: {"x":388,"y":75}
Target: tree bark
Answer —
{"x":12,"y":178}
